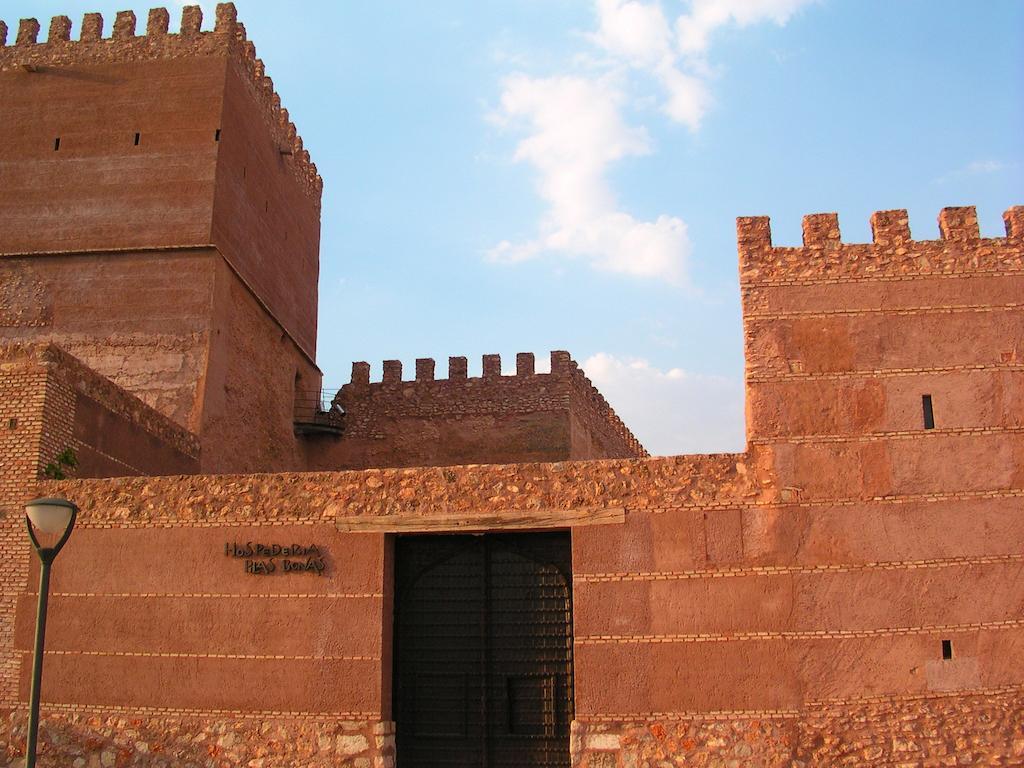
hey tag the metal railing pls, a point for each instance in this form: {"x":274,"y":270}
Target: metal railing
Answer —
{"x":317,"y":406}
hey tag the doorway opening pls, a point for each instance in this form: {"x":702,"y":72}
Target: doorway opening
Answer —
{"x":483,"y":651}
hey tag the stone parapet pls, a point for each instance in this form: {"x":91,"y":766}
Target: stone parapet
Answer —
{"x":427,"y":396}
{"x":599,"y":416}
{"x":326,"y":497}
{"x":526,"y":416}
{"x":891,"y":254}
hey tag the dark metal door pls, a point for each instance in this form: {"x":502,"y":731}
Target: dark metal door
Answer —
{"x":483,"y":651}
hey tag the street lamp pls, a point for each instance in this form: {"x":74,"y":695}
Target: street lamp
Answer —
{"x":50,"y":520}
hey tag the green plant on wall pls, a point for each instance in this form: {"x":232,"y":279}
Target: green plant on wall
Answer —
{"x":64,"y":462}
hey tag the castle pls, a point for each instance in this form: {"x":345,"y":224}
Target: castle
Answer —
{"x":470,"y":571}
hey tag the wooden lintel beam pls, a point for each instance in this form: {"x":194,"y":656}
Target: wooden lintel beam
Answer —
{"x":481,"y":522}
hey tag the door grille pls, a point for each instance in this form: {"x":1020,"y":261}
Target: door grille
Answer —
{"x":483,"y":651}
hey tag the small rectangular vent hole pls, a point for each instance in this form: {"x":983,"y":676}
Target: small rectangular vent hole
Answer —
{"x":947,"y":649}
{"x":216,"y":135}
{"x":929,"y":415}
{"x":138,"y":136}
{"x":12,"y":423}
{"x":56,"y":144}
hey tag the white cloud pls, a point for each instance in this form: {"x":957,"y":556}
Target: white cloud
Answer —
{"x":638,"y":34}
{"x":634,"y":31}
{"x":672,"y":412}
{"x":574,"y":131}
{"x":973,"y":168}
{"x":693,"y":29}
{"x":985,"y":166}
{"x":687,"y":96}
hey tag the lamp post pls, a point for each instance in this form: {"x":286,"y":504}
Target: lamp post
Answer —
{"x":48,"y":519}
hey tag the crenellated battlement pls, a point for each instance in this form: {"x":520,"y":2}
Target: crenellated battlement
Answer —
{"x":596,"y":403}
{"x":892,"y":252}
{"x":561,"y":410}
{"x":458,"y":369}
{"x":228,"y":38}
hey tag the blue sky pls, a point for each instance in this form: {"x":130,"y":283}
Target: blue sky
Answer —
{"x":529,"y":175}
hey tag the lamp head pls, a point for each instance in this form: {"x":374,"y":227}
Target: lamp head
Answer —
{"x":49,"y":520}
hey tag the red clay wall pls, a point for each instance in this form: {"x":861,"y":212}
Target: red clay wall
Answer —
{"x":178,"y":329}
{"x":250,"y":383}
{"x":99,"y":191}
{"x":178,"y":636}
{"x":114,"y":433}
{"x":265,"y":222}
{"x":50,"y":402}
{"x":182,"y":266}
{"x":480,"y":420}
{"x":165,"y":140}
{"x":715,"y":619}
{"x":843,"y":341}
{"x":141,"y":319}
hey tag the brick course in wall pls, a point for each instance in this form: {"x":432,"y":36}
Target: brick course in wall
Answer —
{"x":22,"y":401}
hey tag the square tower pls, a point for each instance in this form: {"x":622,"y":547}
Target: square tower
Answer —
{"x":157,"y":202}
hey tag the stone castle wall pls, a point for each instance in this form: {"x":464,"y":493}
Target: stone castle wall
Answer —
{"x":190,"y":340}
{"x":847,"y":345}
{"x":597,"y":431}
{"x":791,"y":605}
{"x":253,"y":372}
{"x":145,"y":739}
{"x":112,"y":432}
{"x":937,"y":729}
{"x":714,"y":617}
{"x":786,"y":606}
{"x":492,"y":418}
